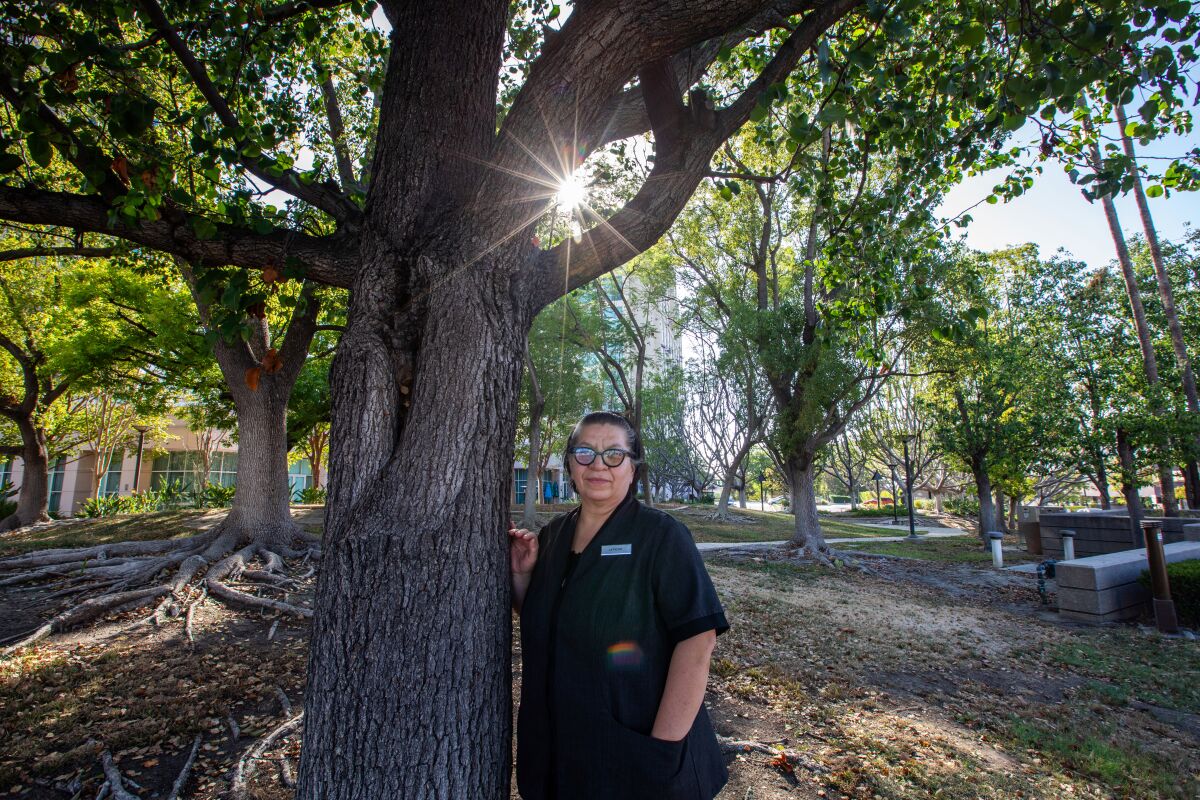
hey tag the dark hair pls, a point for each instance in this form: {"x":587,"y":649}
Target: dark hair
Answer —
{"x":632,"y":441}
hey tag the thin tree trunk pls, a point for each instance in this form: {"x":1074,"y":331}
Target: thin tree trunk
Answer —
{"x":1101,"y":482}
{"x":987,"y":512}
{"x":533,"y":473}
{"x":32,"y":503}
{"x":1191,"y":477}
{"x":742,"y":495}
{"x":1129,"y":485}
{"x":1165,"y":292}
{"x":937,"y":502}
{"x":807,"y":533}
{"x":1145,"y":340}
{"x":1001,"y":521}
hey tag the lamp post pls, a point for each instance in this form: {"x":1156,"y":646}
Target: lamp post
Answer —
{"x":137,"y":468}
{"x":892,"y":467}
{"x":877,"y":478}
{"x":762,"y":503}
{"x":912,"y":523}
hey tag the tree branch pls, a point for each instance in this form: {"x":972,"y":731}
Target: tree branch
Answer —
{"x":329,"y":259}
{"x":327,"y":196}
{"x":34,"y":252}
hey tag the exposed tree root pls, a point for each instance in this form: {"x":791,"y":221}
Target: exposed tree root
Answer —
{"x":113,"y":578}
{"x":114,"y":784}
{"x":244,"y":770}
{"x":185,"y":771}
{"x":729,"y":745}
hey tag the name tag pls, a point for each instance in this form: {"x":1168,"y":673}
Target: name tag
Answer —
{"x":616,"y":550}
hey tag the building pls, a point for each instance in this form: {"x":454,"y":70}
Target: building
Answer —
{"x":174,"y":459}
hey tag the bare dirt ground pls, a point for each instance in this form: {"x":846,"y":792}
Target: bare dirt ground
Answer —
{"x":920,"y":679}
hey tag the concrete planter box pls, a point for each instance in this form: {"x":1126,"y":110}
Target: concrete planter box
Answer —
{"x":1105,"y":587}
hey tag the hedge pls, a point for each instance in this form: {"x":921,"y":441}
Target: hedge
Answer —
{"x":1184,"y":577}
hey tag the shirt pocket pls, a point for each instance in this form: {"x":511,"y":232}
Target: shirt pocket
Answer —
{"x":647,"y":768}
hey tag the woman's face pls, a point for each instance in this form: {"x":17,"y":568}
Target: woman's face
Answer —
{"x":597,"y":482}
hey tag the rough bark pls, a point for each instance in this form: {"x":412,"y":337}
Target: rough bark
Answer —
{"x":33,"y":501}
{"x":419,"y":568}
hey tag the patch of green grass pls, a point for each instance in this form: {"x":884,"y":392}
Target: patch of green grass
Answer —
{"x":1162,"y":672}
{"x":103,"y":530}
{"x":1101,"y":753}
{"x":964,"y":549}
{"x":768,"y":526}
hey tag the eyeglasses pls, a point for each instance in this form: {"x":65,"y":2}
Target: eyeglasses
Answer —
{"x":613,"y":457}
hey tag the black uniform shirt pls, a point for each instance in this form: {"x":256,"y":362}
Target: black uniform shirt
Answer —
{"x":597,"y":637}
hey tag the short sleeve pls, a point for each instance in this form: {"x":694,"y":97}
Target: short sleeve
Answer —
{"x":683,"y":593}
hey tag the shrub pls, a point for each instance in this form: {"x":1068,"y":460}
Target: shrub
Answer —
{"x":870,"y":510}
{"x":964,"y":507}
{"x":1184,"y":577}
{"x":312,"y":495}
{"x":214,"y":495}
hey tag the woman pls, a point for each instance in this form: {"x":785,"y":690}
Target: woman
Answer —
{"x":618,"y":623}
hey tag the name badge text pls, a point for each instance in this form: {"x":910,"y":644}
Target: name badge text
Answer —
{"x":616,"y":550}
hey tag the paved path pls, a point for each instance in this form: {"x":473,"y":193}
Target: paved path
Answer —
{"x":935,"y":533}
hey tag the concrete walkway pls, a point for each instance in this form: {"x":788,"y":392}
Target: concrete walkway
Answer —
{"x":935,"y":533}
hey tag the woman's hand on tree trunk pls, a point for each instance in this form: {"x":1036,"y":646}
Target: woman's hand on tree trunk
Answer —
{"x":522,"y":549}
{"x":522,"y":556}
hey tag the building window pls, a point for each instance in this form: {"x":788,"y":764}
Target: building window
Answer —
{"x":56,"y":482}
{"x":299,"y":477}
{"x":6,"y":471}
{"x":174,"y":468}
{"x":223,"y":469}
{"x":519,"y":483}
{"x":110,"y":484}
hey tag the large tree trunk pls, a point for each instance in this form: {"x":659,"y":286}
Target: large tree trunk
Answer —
{"x":261,"y":511}
{"x":32,"y":503}
{"x":409,"y":680}
{"x":1001,"y":521}
{"x":807,"y":533}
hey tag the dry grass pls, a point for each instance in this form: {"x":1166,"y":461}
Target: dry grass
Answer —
{"x":930,"y":678}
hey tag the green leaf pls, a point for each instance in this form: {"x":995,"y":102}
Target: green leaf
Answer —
{"x":1154,"y":190}
{"x":40,"y":150}
{"x":758,"y":113}
{"x":553,"y":13}
{"x":972,"y":35}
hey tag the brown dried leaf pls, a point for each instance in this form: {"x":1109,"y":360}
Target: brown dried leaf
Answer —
{"x":252,"y":376}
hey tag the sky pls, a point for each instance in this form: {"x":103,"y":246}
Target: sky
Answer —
{"x":1054,"y":214}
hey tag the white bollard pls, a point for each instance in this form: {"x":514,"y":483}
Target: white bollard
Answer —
{"x":1068,"y":540}
{"x":997,"y":554}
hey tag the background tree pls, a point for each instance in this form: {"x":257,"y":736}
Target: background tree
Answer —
{"x":58,"y":338}
{"x":998,"y":405}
